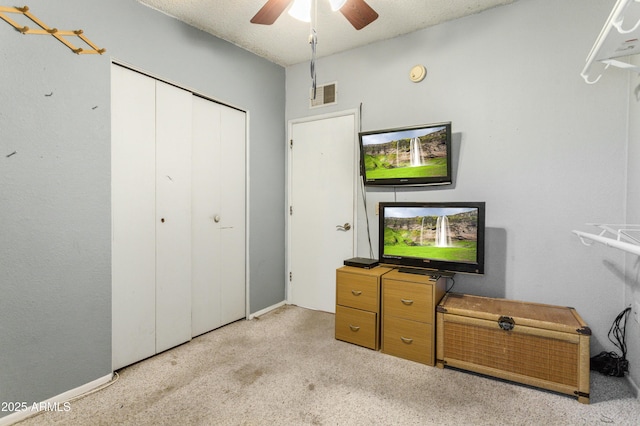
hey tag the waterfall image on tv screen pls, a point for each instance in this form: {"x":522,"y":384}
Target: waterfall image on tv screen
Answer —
{"x":406,"y":154}
{"x":442,"y":234}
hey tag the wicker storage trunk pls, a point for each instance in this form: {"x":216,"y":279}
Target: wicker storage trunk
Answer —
{"x":539,"y":345}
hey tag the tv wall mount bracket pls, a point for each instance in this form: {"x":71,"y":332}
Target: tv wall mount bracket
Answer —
{"x":62,"y":35}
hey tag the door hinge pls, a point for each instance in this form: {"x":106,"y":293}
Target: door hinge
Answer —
{"x":290,"y":210}
{"x":290,"y":276}
{"x":291,"y":143}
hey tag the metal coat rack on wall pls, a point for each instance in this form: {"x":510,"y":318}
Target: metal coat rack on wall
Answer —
{"x":61,"y":35}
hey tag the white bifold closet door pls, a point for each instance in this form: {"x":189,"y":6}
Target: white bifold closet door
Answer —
{"x":178,"y":216}
{"x":218,"y":215}
{"x":133,"y":211}
{"x":151,"y":211}
{"x":173,"y":216}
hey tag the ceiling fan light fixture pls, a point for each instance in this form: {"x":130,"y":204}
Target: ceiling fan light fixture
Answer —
{"x":301,"y":10}
{"x":337,"y":4}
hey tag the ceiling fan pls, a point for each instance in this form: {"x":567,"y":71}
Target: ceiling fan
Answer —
{"x":357,"y":12}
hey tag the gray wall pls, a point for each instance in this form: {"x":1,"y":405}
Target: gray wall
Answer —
{"x":546,"y":151}
{"x":55,"y":218}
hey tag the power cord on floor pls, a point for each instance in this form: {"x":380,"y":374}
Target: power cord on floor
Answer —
{"x":611,"y":363}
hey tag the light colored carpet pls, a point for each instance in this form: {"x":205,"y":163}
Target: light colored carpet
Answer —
{"x":286,"y":368}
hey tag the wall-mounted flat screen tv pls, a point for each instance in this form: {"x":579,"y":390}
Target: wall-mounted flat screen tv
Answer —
{"x":419,"y":155}
{"x":440,"y":236}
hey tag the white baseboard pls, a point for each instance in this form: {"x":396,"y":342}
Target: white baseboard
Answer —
{"x":55,"y":403}
{"x":264,"y":311}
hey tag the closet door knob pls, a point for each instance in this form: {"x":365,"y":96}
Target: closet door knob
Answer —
{"x":162,"y":220}
{"x":216,"y":218}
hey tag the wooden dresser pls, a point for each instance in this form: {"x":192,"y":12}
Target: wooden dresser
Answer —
{"x":358,"y":305}
{"x":409,"y":315}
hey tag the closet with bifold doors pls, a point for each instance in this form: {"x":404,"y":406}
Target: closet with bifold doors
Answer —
{"x":178,"y":215}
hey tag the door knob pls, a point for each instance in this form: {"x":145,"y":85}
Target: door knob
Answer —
{"x":216,"y":218}
{"x":344,"y":227}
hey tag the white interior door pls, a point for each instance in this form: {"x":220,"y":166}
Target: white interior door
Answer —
{"x":322,"y":177}
{"x":173,"y":216}
{"x":218,"y":216}
{"x":133,"y":216}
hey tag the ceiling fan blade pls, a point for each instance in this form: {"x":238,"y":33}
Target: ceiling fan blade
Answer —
{"x":359,"y":13}
{"x":270,"y":12}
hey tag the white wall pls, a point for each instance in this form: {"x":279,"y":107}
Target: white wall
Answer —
{"x":546,"y":151}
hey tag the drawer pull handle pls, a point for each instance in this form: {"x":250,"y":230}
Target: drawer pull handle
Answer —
{"x":406,"y":340}
{"x":407,"y":301}
{"x":354,"y":327}
{"x":356,"y":292}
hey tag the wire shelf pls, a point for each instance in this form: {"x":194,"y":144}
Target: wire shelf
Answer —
{"x":621,"y":236}
{"x":618,"y":38}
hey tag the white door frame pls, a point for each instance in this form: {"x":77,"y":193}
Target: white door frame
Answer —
{"x":356,"y":119}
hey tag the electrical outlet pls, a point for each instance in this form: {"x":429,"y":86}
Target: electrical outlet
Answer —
{"x":636,"y":312}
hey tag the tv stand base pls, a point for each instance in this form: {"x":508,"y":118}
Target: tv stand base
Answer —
{"x":434,"y":273}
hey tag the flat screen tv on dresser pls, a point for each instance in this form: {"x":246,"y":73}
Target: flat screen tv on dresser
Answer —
{"x":443,"y":236}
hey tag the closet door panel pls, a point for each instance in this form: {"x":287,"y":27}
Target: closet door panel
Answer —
{"x":206,"y":216}
{"x":133,"y":214}
{"x":173,"y":216}
{"x":232,"y":227}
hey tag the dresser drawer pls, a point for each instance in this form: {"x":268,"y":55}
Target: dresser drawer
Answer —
{"x":357,"y":327}
{"x":408,"y":300}
{"x":357,"y":291}
{"x":408,"y":339}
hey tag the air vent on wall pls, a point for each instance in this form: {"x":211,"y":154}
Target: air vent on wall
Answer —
{"x":325,"y":95}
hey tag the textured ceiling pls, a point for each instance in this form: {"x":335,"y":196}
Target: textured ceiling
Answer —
{"x":286,"y":42}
